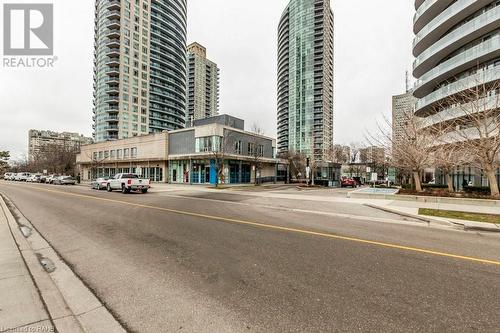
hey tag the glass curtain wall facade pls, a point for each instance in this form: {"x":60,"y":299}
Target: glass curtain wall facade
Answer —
{"x":139,"y":67}
{"x":305,"y":79}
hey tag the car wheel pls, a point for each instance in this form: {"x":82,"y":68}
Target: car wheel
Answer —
{"x":124,"y":189}
{"x":108,"y":187}
{"x":144,"y":191}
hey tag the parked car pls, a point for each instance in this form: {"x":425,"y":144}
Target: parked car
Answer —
{"x":51,"y":178}
{"x":99,"y":183}
{"x":22,"y":176}
{"x":348,"y":182}
{"x":7,"y":176}
{"x":35,"y":178}
{"x":127,"y":182}
{"x":64,"y":180}
{"x":43,"y":178}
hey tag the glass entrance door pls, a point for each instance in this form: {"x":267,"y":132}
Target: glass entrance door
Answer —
{"x":207,"y":174}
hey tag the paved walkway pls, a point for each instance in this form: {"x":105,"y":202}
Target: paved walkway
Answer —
{"x":21,"y":308}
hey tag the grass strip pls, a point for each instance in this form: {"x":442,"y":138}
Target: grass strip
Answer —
{"x":476,"y":217}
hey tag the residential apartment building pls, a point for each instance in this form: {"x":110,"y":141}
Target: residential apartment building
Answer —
{"x":456,"y":48}
{"x":403,"y":107}
{"x":139,"y":67}
{"x":203,"y":85}
{"x":187,"y":156}
{"x":42,"y":142}
{"x":305,"y":79}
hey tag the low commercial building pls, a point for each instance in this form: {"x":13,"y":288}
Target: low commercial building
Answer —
{"x":215,"y":149}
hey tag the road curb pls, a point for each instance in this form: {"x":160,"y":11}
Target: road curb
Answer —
{"x":440,"y":221}
{"x":71,"y":305}
{"x":475,"y":228}
{"x":413,"y":216}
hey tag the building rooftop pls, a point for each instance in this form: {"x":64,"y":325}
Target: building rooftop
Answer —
{"x":222,"y":119}
{"x":198,"y":49}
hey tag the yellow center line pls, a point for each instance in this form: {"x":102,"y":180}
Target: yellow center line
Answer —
{"x":275,"y":227}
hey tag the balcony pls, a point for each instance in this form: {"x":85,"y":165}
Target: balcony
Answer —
{"x":427,"y":11}
{"x":112,"y":42}
{"x":429,"y":34}
{"x":113,"y":33}
{"x":113,"y":24}
{"x":488,"y":49}
{"x":113,"y":15}
{"x":461,"y":36}
{"x":113,"y":5}
{"x":482,"y":77}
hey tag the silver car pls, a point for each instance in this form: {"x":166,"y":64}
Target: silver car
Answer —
{"x":65,"y":180}
{"x":99,"y":183}
{"x":51,"y":179}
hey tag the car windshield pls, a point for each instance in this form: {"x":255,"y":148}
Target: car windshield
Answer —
{"x":129,"y":176}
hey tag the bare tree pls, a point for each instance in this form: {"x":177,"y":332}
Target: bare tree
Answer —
{"x":4,"y":160}
{"x":473,"y":118}
{"x":412,"y":150}
{"x":447,"y":158}
{"x":296,"y":164}
{"x":95,"y":162}
{"x":338,"y":154}
{"x":220,"y":147}
{"x":54,"y":158}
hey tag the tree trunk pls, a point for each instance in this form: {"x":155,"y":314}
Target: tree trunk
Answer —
{"x":449,"y":180}
{"x":255,"y":175}
{"x":418,"y":183}
{"x":493,"y":183}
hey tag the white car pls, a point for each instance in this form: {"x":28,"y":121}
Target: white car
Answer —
{"x":99,"y":183}
{"x":35,"y":178}
{"x":22,"y":176}
{"x":7,"y":176}
{"x":51,"y":179}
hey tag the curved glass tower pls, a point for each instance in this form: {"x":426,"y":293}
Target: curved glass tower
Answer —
{"x":140,"y":67}
{"x":305,"y":78}
{"x":457,"y":47}
{"x":457,"y":66}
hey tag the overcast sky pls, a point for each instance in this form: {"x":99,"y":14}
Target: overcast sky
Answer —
{"x":372,"y":52}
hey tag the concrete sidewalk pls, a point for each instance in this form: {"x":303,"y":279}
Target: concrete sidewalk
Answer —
{"x":21,"y":307}
{"x":38,"y":290}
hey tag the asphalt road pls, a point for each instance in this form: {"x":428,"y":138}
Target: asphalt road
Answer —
{"x":210,"y":264}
